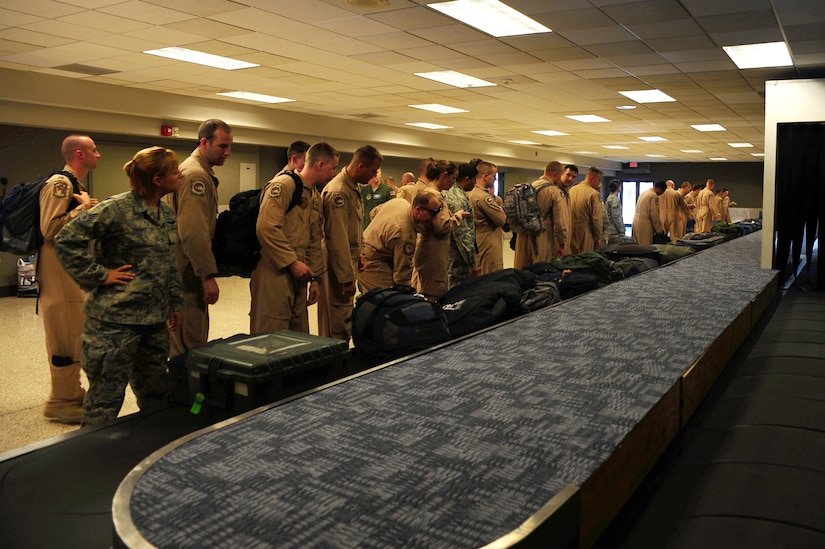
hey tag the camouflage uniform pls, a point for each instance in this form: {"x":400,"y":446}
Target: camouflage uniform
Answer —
{"x":374,"y":197}
{"x":462,"y":254}
{"x":614,"y":224}
{"x":125,"y":338}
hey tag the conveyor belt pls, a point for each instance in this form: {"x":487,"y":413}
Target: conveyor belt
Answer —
{"x":460,"y":446}
{"x":750,"y":470}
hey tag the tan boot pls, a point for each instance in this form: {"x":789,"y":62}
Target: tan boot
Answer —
{"x":70,"y":414}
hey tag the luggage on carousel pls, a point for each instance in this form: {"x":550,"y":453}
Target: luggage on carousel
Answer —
{"x":728,"y":230}
{"x":701,"y":241}
{"x":618,"y":251}
{"x":595,"y":263}
{"x":672,"y":252}
{"x":486,"y":300}
{"x":243,"y":372}
{"x":390,"y":323}
{"x":629,"y":266}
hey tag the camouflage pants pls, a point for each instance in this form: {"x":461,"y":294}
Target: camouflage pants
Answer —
{"x":115,"y":355}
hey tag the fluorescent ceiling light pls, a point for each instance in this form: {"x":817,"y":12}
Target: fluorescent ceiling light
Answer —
{"x":550,"y":133}
{"x":691,"y":151}
{"x":655,"y":156}
{"x":588,"y":118}
{"x":616,"y":147}
{"x":652,"y":138}
{"x":647,"y":96}
{"x":757,"y":154}
{"x":192,"y":56}
{"x":717,"y":158}
{"x":740,"y":145}
{"x":435,"y":107}
{"x":256,"y":97}
{"x":626,"y":107}
{"x":708,"y":127}
{"x":490,"y":16}
{"x":454,"y":78}
{"x":584,"y":152}
{"x":757,"y":56}
{"x":428,"y":126}
{"x":523,"y":142}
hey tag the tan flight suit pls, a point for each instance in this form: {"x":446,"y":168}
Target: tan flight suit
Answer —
{"x":389,"y":245}
{"x":61,"y":298}
{"x":586,"y":221}
{"x":279,"y":300}
{"x":555,"y":207}
{"x":671,"y":206}
{"x":343,"y":214}
{"x":706,"y":211}
{"x":432,"y":250}
{"x":409,"y":192}
{"x":196,"y":206}
{"x":489,"y":218}
{"x":648,"y":219}
{"x":726,"y":210}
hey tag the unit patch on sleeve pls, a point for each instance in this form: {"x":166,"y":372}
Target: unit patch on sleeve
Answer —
{"x":489,"y":200}
{"x":338,"y":201}
{"x":60,"y":189}
{"x":275,"y":191}
{"x":409,"y":248}
{"x":198,"y":188}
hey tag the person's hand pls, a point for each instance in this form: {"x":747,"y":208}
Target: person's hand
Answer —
{"x":119,"y":276}
{"x":348,"y":290}
{"x":174,"y":321}
{"x":463,"y":213}
{"x":301,"y":271}
{"x":85,"y":200}
{"x":210,"y":290}
{"x":314,"y":293}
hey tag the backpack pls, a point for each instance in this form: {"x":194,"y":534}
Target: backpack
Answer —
{"x":20,"y":214}
{"x":542,"y":295}
{"x":629,"y":266}
{"x":593,"y":262}
{"x":576,"y":283}
{"x":390,"y":323}
{"x":521,"y":207}
{"x":486,"y":300}
{"x":235,"y":245}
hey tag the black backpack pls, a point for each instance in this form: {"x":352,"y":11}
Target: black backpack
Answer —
{"x":20,"y":215}
{"x":235,"y":245}
{"x":486,"y":300}
{"x":390,"y":323}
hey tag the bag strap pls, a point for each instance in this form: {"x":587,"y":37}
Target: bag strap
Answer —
{"x":299,"y":188}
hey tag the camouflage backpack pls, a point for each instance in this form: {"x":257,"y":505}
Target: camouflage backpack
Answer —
{"x":522,"y":208}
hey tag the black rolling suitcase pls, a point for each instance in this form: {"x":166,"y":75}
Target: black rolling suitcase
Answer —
{"x":242,"y":372}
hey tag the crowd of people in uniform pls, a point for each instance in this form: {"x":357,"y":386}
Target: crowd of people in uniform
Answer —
{"x":142,"y":260}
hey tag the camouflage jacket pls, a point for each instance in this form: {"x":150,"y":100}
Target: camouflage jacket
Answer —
{"x":124,"y":230}
{"x":464,"y":236}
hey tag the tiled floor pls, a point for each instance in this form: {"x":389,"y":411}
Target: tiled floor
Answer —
{"x":24,"y":373}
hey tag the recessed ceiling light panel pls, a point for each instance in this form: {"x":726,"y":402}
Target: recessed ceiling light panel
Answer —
{"x":587,"y":118}
{"x":717,"y":158}
{"x":435,"y":107}
{"x":523,"y":142}
{"x":261,"y":98}
{"x":550,"y":133}
{"x":740,"y":145}
{"x":428,"y":126}
{"x":616,"y":147}
{"x":708,"y":127}
{"x":490,"y":16}
{"x":455,"y":78}
{"x":647,"y":96}
{"x":691,"y":151}
{"x":652,"y":138}
{"x":201,"y":58}
{"x":758,"y":56}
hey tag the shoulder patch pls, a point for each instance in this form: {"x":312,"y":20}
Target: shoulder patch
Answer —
{"x":275,"y":190}
{"x":198,"y":188}
{"x":60,"y":189}
{"x":489,"y":200}
{"x":409,"y":248}
{"x":338,"y":201}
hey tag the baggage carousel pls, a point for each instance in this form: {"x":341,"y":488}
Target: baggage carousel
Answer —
{"x":532,"y":433}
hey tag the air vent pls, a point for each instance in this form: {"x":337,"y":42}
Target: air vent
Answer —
{"x":85,"y":69}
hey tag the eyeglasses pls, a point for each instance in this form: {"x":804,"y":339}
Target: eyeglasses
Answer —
{"x":432,"y":212}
